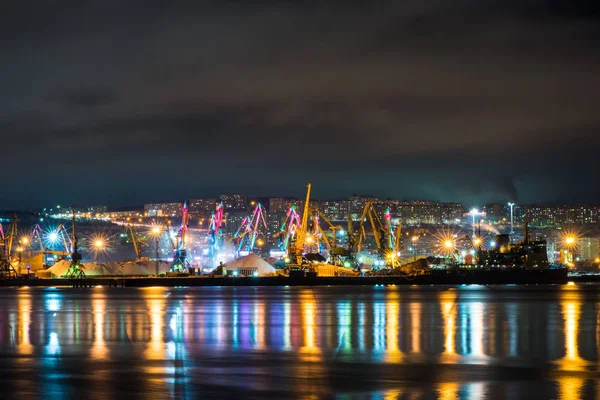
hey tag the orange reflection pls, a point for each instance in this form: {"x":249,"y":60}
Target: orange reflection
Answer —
{"x":309,"y":322}
{"x":393,"y":394}
{"x":24,"y":320}
{"x":448,"y":391}
{"x":99,"y":350}
{"x":415,"y":324}
{"x":569,"y":387}
{"x":447,"y":301}
{"x":155,"y":298}
{"x":393,"y":353}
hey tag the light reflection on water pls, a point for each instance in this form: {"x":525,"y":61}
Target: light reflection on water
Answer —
{"x":351,"y":342}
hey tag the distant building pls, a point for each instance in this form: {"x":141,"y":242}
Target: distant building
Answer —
{"x":278,"y":204}
{"x":334,"y":210}
{"x":124,"y":215}
{"x":588,"y":249}
{"x":163,"y":209}
{"x":356,"y":204}
{"x":204,"y":206}
{"x":97,"y":209}
{"x":232,"y":221}
{"x":234,"y":202}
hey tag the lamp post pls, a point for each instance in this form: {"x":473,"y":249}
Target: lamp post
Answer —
{"x":156,"y":233}
{"x":20,"y":251}
{"x":415,"y":240}
{"x":512,"y":206}
{"x":449,"y":248}
{"x":474,"y":212}
{"x":98,"y":246}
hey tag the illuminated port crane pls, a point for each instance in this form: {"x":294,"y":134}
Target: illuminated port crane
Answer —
{"x":215,"y":235}
{"x":296,"y":247}
{"x":388,"y":243}
{"x":76,"y":268}
{"x":180,"y":262}
{"x":138,"y":242}
{"x":245,"y":237}
{"x":335,"y":253}
{"x":6,"y":268}
{"x":288,"y":229}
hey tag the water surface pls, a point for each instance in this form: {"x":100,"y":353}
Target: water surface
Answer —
{"x":372,"y":342}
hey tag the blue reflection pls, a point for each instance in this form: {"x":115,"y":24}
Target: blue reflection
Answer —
{"x":379,"y":327}
{"x":361,"y":326}
{"x":235,"y":339}
{"x":344,"y":332}
{"x":53,"y":347}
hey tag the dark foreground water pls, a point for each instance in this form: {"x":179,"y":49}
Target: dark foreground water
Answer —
{"x":467,"y":342}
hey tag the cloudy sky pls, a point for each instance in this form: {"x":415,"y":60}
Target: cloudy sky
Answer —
{"x":125,"y":102}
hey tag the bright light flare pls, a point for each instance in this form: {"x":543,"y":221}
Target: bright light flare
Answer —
{"x":477,"y":241}
{"x":24,"y":240}
{"x":53,"y":237}
{"x":99,"y":244}
{"x":570,"y":239}
{"x":446,"y":243}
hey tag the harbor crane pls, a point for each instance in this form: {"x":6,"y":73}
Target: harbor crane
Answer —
{"x":296,"y":247}
{"x":138,"y":242}
{"x":6,"y":268}
{"x":387,"y":241}
{"x":76,"y":268}
{"x":288,"y":229}
{"x":180,"y":261}
{"x":246,"y":235}
{"x":215,"y":235}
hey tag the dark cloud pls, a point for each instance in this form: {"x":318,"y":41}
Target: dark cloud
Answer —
{"x":462,"y":100}
{"x":89,"y":97}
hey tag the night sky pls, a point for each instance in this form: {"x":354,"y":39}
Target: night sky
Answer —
{"x":125,"y":102}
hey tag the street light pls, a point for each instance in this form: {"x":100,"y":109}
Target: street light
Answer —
{"x":474,"y":212}
{"x":156,"y":232}
{"x":20,"y":251}
{"x":415,"y":239}
{"x":512,"y":206}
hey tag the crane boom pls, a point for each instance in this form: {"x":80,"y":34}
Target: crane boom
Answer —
{"x":301,"y":235}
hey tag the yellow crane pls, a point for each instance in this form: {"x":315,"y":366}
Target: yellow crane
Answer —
{"x":376,"y":226}
{"x":301,"y":232}
{"x":14,"y":228}
{"x":388,"y":243}
{"x":137,"y":241}
{"x":332,"y":227}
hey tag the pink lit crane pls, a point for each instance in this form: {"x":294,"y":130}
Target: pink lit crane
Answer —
{"x":289,"y":227}
{"x":249,"y":230}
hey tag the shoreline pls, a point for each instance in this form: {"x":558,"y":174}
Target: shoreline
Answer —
{"x":538,"y":277}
